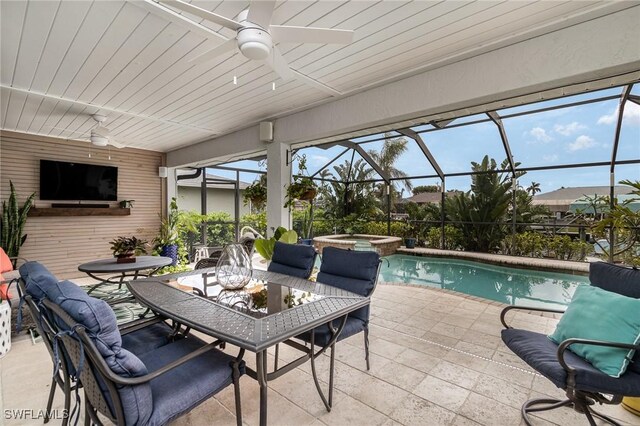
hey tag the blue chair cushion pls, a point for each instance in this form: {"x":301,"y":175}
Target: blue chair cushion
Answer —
{"x":101,"y":325}
{"x":355,"y":271}
{"x":183,"y":388}
{"x":541,"y":354}
{"x":36,"y":279}
{"x":621,"y":280}
{"x":147,"y":339}
{"x":323,"y":333}
{"x":615,"y":278}
{"x":296,"y":260}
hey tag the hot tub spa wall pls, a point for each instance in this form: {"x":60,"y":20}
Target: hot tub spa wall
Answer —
{"x":385,"y":246}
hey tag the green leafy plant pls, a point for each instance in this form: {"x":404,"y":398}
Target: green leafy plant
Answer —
{"x":453,"y":238}
{"x":265,"y":246}
{"x":125,"y":204}
{"x":13,"y":221}
{"x":256,"y":193}
{"x":168,"y":232}
{"x":127,"y":246}
{"x":302,"y":187}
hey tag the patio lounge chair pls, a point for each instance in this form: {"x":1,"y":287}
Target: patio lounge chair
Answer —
{"x":583,"y":383}
{"x":150,"y":389}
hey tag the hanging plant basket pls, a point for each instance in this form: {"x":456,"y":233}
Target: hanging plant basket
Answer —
{"x":308,"y":195}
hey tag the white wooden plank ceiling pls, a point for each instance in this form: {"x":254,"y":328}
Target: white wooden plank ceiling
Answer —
{"x":62,"y":61}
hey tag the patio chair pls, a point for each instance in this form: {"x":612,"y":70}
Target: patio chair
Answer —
{"x":354,"y":271}
{"x":583,"y":383}
{"x":296,"y":260}
{"x":138,"y":337}
{"x":153,"y":388}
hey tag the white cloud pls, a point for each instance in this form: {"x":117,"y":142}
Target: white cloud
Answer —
{"x":631,"y":115}
{"x":319,"y":160}
{"x":569,"y":129}
{"x":540,"y":135}
{"x":582,"y":142}
{"x":550,"y":158}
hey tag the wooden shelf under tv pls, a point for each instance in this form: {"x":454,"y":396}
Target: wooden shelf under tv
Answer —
{"x":78,"y":211}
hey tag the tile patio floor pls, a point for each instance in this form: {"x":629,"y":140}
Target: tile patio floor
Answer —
{"x":437,"y":359}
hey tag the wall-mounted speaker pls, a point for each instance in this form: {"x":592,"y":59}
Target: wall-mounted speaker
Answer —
{"x":163,"y":172}
{"x":266,"y":131}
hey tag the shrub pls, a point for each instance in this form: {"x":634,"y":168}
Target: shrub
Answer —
{"x":453,"y":238}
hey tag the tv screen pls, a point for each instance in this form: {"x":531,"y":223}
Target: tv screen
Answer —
{"x":77,"y":181}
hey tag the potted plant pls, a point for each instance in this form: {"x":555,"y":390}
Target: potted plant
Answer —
{"x":302,"y":187}
{"x":256,"y":193}
{"x":265,"y":246}
{"x":13,"y":221}
{"x":167,"y":240}
{"x":409,"y":240}
{"x":126,"y":248}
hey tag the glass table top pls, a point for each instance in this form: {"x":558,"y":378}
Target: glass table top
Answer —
{"x":259,"y":298}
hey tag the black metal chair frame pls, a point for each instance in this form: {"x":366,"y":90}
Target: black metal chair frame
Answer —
{"x":82,"y":351}
{"x":335,"y":334}
{"x":61,"y":377}
{"x":580,"y":401}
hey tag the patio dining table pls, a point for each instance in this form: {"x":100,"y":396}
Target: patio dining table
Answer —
{"x":271,"y":310}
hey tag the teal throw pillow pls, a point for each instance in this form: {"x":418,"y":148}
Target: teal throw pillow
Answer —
{"x":597,"y":314}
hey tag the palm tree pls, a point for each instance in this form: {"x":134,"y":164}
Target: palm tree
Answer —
{"x":391,"y":150}
{"x":534,"y":188}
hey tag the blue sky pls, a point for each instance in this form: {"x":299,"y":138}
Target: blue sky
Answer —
{"x":580,"y":134}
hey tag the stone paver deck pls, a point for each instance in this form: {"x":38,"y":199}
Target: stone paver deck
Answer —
{"x":436,"y":359}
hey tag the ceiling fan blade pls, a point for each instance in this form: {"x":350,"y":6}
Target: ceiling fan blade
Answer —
{"x":204,"y":14}
{"x":225,"y":47}
{"x":284,"y":33}
{"x":116,"y":144}
{"x":260,"y":12}
{"x":279,"y":65}
{"x":315,"y":83}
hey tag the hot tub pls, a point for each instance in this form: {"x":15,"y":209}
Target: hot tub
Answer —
{"x":382,"y":244}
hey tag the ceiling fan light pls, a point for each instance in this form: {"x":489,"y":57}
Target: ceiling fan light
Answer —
{"x":255,"y":50}
{"x":98,"y":140}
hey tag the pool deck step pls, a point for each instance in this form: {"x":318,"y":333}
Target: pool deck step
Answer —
{"x":580,"y":268}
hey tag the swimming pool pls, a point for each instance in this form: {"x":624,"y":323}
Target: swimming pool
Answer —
{"x":503,"y":284}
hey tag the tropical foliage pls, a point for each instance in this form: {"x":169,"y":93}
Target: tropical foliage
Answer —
{"x":127,"y":246}
{"x":256,"y":193}
{"x":265,"y":246}
{"x":12,"y":235}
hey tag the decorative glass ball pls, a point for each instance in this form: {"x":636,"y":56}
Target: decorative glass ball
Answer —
{"x":234,"y":270}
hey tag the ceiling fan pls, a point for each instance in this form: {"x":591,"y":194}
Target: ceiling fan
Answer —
{"x":99,"y":135}
{"x":255,"y":35}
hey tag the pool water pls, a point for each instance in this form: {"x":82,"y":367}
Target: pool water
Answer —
{"x":512,"y":286}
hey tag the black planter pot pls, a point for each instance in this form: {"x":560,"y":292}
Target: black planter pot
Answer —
{"x":410,"y":243}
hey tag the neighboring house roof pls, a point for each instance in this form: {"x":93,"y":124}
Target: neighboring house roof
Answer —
{"x":428,"y":197}
{"x":566,"y":196}
{"x":196,"y":182}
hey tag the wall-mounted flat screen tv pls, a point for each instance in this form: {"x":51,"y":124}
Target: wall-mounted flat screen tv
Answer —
{"x":60,"y":180}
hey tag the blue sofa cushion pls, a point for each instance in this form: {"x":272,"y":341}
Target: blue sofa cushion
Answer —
{"x":100,"y":322}
{"x":296,"y":260}
{"x":355,"y":271}
{"x":621,"y":280}
{"x":323,"y":333}
{"x":183,"y":388}
{"x":540,"y":353}
{"x":36,"y":278}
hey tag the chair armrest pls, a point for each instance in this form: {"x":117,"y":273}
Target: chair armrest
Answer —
{"x":524,"y":308}
{"x":565,"y":345}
